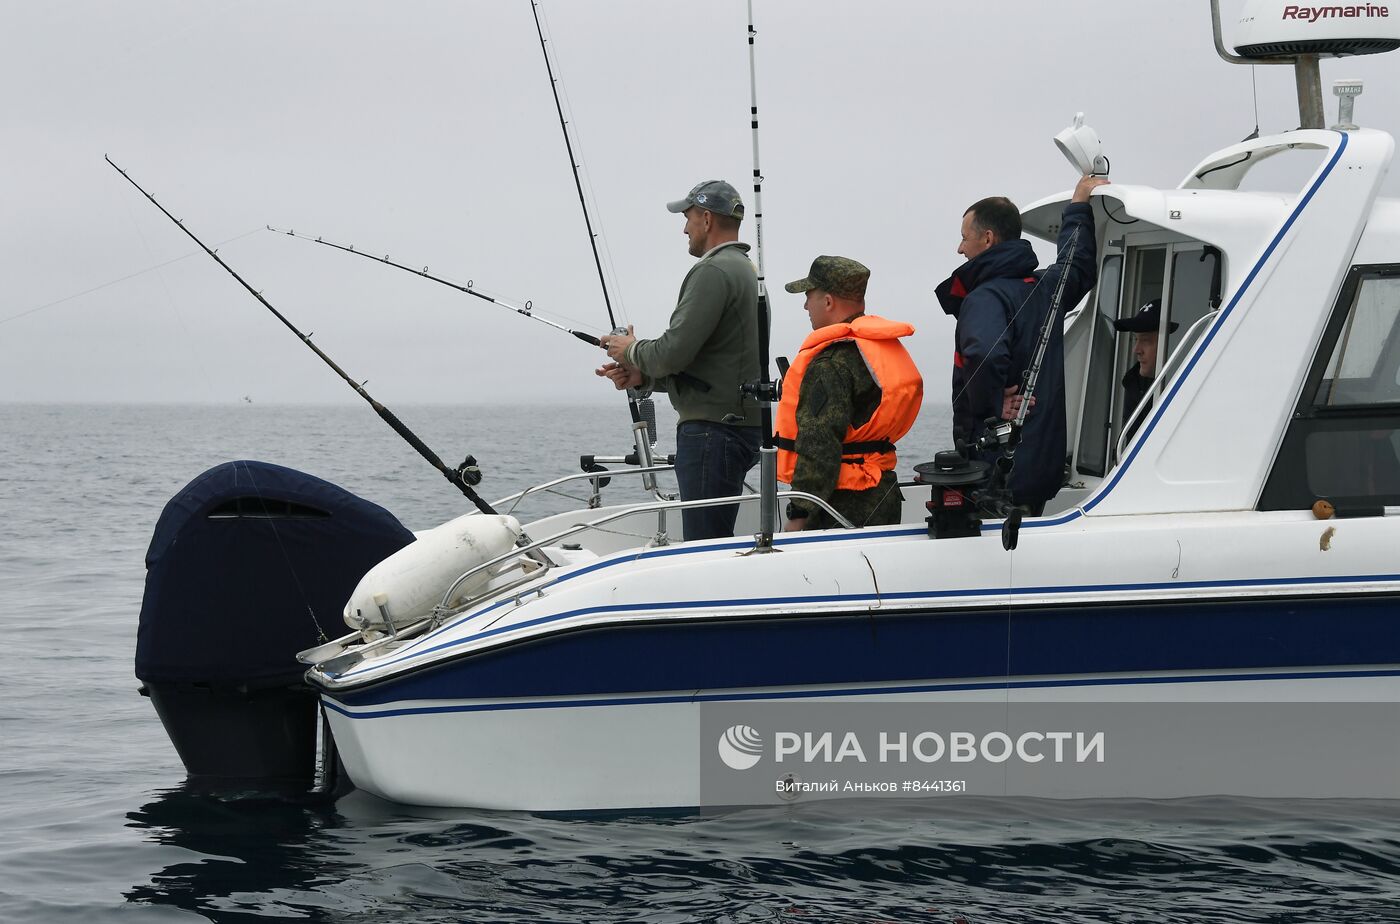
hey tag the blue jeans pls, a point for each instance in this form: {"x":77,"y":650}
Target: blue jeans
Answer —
{"x":711,"y":461}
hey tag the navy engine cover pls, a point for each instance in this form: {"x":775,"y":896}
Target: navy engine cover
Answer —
{"x":251,"y":563}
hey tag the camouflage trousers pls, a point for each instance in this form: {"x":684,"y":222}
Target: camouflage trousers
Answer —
{"x":877,"y":506}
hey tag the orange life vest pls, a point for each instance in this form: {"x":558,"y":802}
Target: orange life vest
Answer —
{"x":867,"y":450}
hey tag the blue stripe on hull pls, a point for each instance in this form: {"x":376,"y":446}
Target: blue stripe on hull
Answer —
{"x":858,"y":691}
{"x":886,"y":648}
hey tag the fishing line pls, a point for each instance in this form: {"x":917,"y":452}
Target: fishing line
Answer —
{"x":894,"y":486}
{"x":639,"y":406}
{"x":1010,"y":602}
{"x":286,"y":557}
{"x":190,"y":339}
{"x":462,"y":478}
{"x":573,"y":163}
{"x":617,"y":285}
{"x":586,"y":189}
{"x":142,"y":272}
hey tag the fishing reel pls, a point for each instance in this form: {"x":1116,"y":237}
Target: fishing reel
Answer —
{"x":772,"y":390}
{"x":468,"y":473}
{"x":956,"y":482}
{"x":997,"y":434}
{"x":965,"y":490}
{"x":761,"y":391}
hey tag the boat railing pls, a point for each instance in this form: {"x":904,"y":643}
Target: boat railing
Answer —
{"x":444,"y":609}
{"x":340,"y":654}
{"x":514,"y":499}
{"x":1188,"y":340}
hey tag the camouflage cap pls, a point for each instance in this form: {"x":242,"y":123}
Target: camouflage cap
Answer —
{"x":714,"y":195}
{"x":840,"y":276}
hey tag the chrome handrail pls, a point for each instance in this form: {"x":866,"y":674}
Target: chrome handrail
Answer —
{"x":443,"y":609}
{"x":515,"y":499}
{"x":1187,"y":341}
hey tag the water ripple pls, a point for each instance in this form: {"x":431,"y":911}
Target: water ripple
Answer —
{"x":97,"y":826}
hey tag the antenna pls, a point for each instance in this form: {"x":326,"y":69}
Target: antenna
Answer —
{"x":1274,"y":32}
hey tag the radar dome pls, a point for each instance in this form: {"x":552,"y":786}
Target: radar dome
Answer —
{"x":1272,"y":29}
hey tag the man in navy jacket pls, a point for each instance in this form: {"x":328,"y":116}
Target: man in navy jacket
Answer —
{"x":1001,"y":302}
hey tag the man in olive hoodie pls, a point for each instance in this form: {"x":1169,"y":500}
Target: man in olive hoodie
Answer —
{"x":709,"y":350}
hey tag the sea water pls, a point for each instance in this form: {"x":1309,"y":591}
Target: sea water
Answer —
{"x":96,"y":823}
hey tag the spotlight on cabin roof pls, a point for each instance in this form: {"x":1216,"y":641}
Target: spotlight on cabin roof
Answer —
{"x":1081,"y":146}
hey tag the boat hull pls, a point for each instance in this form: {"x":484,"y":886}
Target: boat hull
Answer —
{"x":1278,"y":695}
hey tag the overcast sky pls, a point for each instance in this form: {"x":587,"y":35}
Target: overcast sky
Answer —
{"x":426,"y":131}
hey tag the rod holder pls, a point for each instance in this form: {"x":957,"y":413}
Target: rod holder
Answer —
{"x":767,"y":498}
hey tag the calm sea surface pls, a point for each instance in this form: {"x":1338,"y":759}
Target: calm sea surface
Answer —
{"x":95,"y":823}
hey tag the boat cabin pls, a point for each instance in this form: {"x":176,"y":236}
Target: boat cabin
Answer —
{"x":1277,"y":381}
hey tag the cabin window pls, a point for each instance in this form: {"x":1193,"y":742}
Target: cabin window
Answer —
{"x":1364,"y":368}
{"x":1148,"y":283}
{"x":1343,"y":444}
{"x":1195,"y":292}
{"x":1192,"y":294}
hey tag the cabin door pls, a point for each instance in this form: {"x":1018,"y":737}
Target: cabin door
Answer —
{"x":1185,"y":277}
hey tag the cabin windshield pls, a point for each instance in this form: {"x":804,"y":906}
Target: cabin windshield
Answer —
{"x":1343,"y":441}
{"x":1365,"y":364}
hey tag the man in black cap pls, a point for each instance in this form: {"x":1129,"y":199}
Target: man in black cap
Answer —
{"x":1137,"y":382}
{"x":707,"y":352}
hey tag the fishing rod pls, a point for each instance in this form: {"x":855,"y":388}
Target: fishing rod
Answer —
{"x":573,"y":163}
{"x":641,"y":408}
{"x":463,"y":477}
{"x":527,"y":310}
{"x":1007,"y":433}
{"x":768,"y":453}
{"x":1031,"y":376}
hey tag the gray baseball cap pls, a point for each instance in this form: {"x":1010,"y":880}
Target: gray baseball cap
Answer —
{"x":714,"y":195}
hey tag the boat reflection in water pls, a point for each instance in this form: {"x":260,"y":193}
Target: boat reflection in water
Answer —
{"x":240,"y":848}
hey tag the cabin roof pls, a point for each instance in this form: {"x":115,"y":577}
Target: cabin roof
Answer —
{"x":1236,"y":222}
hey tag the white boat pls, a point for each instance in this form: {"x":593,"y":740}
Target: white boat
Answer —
{"x":1184,"y":619}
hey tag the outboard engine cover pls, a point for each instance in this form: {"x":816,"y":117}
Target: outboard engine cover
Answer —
{"x":250,"y":563}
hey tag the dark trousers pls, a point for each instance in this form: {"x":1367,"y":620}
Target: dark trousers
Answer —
{"x":711,"y":461}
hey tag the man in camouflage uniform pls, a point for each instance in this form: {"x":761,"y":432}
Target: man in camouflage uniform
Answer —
{"x":838,"y":398}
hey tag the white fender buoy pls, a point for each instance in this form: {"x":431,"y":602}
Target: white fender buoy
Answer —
{"x":404,"y":588}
